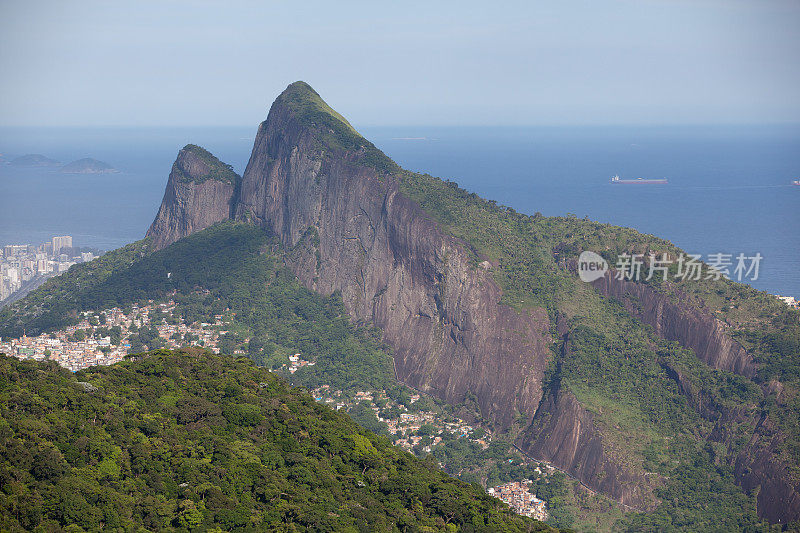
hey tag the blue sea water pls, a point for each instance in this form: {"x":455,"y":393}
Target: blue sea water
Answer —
{"x":729,"y":188}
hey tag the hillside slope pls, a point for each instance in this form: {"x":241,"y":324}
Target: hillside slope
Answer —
{"x":188,"y":440}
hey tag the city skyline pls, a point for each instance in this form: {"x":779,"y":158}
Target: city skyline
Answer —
{"x":23,"y":267}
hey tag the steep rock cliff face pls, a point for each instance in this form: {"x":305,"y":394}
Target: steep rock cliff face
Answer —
{"x":200,"y":192}
{"x":564,"y":434}
{"x":689,"y":326}
{"x":349,"y":229}
{"x":758,"y":466}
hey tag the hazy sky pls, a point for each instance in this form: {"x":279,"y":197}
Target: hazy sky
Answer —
{"x":401,"y":63}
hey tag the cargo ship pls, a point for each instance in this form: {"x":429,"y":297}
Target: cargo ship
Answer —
{"x":617,"y":179}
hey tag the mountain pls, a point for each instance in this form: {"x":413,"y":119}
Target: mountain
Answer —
{"x":472,"y":296}
{"x":88,"y":166}
{"x":676,"y":398}
{"x":201,"y":191}
{"x":189,"y":440}
{"x":351,"y":229}
{"x":33,"y":160}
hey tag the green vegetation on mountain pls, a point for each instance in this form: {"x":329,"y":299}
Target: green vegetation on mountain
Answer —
{"x":217,"y":170}
{"x":333,"y":130}
{"x":617,"y":367}
{"x":527,"y":247}
{"x":228,"y":268}
{"x":187,"y":441}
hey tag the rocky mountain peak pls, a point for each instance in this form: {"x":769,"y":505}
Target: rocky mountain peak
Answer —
{"x":299,"y":117}
{"x":195,"y":163}
{"x":308,"y":107}
{"x":201,"y":191}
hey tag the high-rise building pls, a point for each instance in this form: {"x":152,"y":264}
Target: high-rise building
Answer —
{"x":61,"y":242}
{"x":17,"y":249}
{"x":13,"y":275}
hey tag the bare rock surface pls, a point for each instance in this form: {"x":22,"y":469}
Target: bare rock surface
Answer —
{"x":200,"y":192}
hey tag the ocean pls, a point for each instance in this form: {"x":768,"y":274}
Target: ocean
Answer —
{"x":729,"y":188}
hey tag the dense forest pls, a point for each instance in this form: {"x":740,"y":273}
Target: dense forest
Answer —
{"x":190,"y":441}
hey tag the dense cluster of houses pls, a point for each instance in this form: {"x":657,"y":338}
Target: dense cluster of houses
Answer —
{"x":73,"y":355}
{"x":405,"y":427}
{"x":518,"y":496}
{"x":78,"y":346}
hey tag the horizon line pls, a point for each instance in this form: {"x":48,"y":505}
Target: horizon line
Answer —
{"x":418,"y":125}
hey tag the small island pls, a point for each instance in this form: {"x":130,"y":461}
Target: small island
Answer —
{"x":33,"y":160}
{"x":88,"y":166}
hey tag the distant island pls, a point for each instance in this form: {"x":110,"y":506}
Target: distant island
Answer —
{"x":88,"y":165}
{"x":34,"y":160}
